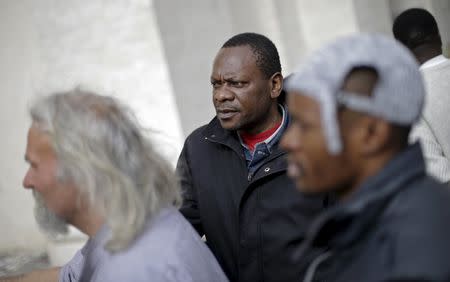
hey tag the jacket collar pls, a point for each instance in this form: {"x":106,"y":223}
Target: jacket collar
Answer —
{"x":346,"y":222}
{"x":214,"y":132}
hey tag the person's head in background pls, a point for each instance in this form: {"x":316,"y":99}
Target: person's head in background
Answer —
{"x":351,"y":112}
{"x":417,"y":29}
{"x":247,"y":83}
{"x":90,"y":165}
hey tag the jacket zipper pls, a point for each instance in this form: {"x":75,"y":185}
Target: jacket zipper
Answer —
{"x":312,"y":268}
{"x":250,"y":175}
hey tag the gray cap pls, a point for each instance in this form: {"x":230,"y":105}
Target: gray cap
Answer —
{"x":397,"y":96}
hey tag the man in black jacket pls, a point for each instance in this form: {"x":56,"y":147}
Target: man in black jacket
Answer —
{"x":233,"y":174}
{"x":352,"y":106}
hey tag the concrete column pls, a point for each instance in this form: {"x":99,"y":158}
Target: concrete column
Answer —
{"x":260,"y":16}
{"x":398,"y":6}
{"x":112,"y":47}
{"x":324,"y":20}
{"x":373,"y":16}
{"x":17,"y":63}
{"x":441,"y":11}
{"x":192,"y":33}
{"x":295,"y":45}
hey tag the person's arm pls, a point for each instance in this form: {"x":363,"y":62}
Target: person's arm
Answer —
{"x":437,"y":164}
{"x":189,"y":208}
{"x":46,"y":275}
{"x":70,"y":272}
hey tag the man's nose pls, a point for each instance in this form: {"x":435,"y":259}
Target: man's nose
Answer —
{"x":27,"y":181}
{"x":290,"y":140}
{"x":223,"y":94}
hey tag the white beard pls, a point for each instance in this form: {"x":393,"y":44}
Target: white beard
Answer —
{"x":50,"y":223}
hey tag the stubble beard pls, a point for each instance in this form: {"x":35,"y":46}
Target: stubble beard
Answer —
{"x":50,"y":223}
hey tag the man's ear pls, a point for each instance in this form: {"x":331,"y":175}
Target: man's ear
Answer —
{"x":374,"y":135}
{"x":276,"y":83}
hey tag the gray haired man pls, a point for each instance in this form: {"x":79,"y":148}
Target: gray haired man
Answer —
{"x":91,"y":167}
{"x":352,"y":106}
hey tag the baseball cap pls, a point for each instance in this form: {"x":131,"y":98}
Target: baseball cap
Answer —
{"x":398,"y":94}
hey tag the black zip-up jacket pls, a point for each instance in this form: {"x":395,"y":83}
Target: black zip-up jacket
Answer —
{"x":253,"y":223}
{"x":396,"y":227}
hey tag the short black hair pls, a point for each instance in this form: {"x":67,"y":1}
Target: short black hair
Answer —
{"x":266,"y":53}
{"x":415,"y":27}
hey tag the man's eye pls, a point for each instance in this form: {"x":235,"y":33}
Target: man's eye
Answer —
{"x":237,"y":83}
{"x":304,"y":126}
{"x":308,"y":126}
{"x":215,"y":84}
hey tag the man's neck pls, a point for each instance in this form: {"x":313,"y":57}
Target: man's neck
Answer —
{"x":274,"y":118}
{"x":88,"y":221}
{"x":252,"y":140}
{"x":367,"y":169}
{"x":426,"y":53}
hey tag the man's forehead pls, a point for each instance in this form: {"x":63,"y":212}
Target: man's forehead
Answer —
{"x":38,"y":142}
{"x":235,"y":67}
{"x":301,"y":104}
{"x":238,"y":57}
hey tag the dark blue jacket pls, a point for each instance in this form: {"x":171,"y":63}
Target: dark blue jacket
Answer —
{"x":396,"y":227}
{"x":253,"y":222}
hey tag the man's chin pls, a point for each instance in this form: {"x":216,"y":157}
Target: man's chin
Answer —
{"x":308,"y":189}
{"x":50,"y":223}
{"x":305,"y":188}
{"x":227,"y":125}
{"x":52,"y":228}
